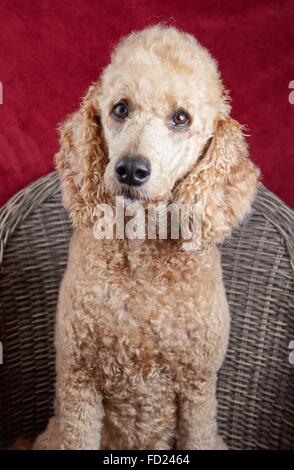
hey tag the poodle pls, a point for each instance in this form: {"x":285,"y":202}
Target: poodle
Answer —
{"x":142,"y":325}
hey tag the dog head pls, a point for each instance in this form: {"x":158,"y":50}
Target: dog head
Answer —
{"x":157,"y":127}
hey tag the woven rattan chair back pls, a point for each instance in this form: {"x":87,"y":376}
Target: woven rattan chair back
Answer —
{"x":256,"y":382}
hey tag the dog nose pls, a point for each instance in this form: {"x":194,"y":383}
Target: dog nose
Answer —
{"x":132,"y":171}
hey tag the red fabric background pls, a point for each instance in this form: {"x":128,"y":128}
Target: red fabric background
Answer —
{"x":50,"y":51}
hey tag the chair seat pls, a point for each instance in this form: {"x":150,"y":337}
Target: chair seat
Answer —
{"x":256,"y":382}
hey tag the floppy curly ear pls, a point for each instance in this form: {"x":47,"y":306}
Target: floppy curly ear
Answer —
{"x":80,"y":160}
{"x":222,"y":185}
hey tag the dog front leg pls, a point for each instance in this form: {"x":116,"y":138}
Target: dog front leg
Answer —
{"x":80,"y":413}
{"x":197,"y":427}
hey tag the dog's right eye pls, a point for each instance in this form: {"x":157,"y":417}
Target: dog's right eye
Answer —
{"x":120,"y":111}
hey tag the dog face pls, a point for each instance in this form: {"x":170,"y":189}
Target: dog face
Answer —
{"x":160,"y":98}
{"x":156,"y":127}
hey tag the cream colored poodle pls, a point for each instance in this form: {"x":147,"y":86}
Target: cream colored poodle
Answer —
{"x":142,"y":326}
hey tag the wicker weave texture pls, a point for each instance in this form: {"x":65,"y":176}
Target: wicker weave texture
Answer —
{"x":256,"y":382}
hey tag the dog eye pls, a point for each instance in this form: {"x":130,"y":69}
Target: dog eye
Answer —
{"x":120,"y":111}
{"x":180,"y":119}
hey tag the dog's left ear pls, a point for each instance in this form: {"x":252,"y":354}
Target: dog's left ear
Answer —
{"x":222,"y":185}
{"x":81,"y":160}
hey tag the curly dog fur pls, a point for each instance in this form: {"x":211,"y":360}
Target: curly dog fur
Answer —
{"x":142,"y":326}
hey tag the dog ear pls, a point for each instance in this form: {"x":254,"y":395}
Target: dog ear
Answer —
{"x":81,"y":161}
{"x":222,"y":184}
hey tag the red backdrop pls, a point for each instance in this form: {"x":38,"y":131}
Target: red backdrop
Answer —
{"x":50,"y":51}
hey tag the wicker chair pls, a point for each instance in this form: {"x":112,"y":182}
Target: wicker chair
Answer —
{"x":256,"y":382}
